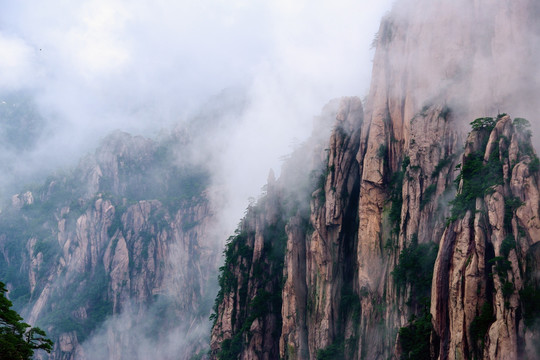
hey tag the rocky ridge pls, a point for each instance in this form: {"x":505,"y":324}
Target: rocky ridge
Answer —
{"x":479,"y":302}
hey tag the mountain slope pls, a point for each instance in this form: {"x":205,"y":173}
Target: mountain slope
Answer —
{"x":119,"y":245}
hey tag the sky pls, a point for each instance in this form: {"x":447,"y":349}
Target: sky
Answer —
{"x":139,"y":66}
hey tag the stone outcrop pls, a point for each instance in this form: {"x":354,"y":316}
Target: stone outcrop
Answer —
{"x":336,"y":273}
{"x":481,"y":269}
{"x":328,"y":250}
{"x":363,"y":248}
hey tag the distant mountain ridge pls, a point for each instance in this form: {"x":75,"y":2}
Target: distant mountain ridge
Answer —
{"x":122,"y":235}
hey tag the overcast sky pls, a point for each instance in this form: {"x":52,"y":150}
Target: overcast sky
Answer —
{"x":139,"y":65}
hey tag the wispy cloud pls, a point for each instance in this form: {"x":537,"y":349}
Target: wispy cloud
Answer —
{"x":140,"y":65}
{"x":94,"y":66}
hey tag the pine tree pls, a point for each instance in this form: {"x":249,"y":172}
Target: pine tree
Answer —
{"x":18,"y":340}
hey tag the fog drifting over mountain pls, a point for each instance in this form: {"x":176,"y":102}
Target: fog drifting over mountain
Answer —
{"x":94,"y":66}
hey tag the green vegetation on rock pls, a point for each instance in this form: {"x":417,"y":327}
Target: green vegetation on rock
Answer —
{"x":530,"y":298}
{"x":334,"y":351}
{"x":414,"y":338}
{"x":477,"y":178}
{"x":396,"y":195}
{"x":415,"y":269}
{"x":479,"y":327}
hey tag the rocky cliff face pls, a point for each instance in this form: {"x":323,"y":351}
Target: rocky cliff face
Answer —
{"x":263,"y":258}
{"x":483,"y":285}
{"x":394,"y":235}
{"x":338,"y":296}
{"x":123,"y":236}
{"x":358,"y":277}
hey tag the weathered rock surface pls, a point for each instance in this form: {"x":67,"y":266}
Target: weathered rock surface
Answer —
{"x":266,"y":256}
{"x":358,"y":276}
{"x":481,"y":268}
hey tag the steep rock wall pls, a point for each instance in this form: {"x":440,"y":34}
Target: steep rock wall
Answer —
{"x":478,"y":304}
{"x":358,"y":284}
{"x":282,"y":220}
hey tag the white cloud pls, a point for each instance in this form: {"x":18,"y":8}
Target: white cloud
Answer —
{"x":16,"y":63}
{"x":140,"y":65}
{"x":97,"y":42}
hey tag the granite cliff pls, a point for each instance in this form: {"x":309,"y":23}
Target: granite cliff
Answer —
{"x":419,"y":241}
{"x":485,"y":294}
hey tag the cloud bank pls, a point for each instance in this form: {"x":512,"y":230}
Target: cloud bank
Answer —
{"x":88,"y":67}
{"x":93,"y":66}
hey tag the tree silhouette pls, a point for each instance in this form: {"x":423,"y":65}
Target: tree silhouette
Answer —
{"x":18,"y":340}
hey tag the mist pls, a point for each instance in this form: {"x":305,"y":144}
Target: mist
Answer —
{"x":90,"y":67}
{"x":87,"y":68}
{"x":478,"y":58}
{"x":248,"y":76}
